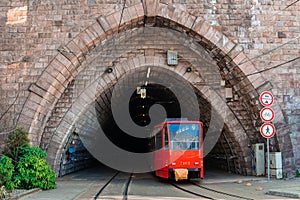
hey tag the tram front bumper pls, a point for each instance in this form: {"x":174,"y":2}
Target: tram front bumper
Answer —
{"x":181,"y":174}
{"x":184,"y":173}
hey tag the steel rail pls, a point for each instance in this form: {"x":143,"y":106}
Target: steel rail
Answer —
{"x":220,"y":192}
{"x":104,"y":186}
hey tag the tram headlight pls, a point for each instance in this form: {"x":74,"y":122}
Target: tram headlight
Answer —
{"x":196,"y":163}
{"x":173,"y":163}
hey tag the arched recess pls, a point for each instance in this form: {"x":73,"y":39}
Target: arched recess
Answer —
{"x":47,"y":90}
{"x":81,"y":117}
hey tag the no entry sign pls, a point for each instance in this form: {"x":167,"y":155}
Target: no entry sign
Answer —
{"x":266,"y":98}
{"x":267,"y":114}
{"x":267,"y":130}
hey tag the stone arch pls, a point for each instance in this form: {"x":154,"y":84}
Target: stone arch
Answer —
{"x":80,"y":106}
{"x":46,"y":91}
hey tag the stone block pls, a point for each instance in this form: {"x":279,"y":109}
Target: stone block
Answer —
{"x":225,"y":44}
{"x":133,"y":14}
{"x":203,"y":29}
{"x":97,"y":29}
{"x":37,"y":90}
{"x":139,"y":11}
{"x":197,"y":24}
{"x":239,"y":58}
{"x":162,"y":10}
{"x":235,"y":51}
{"x":151,"y":8}
{"x":104,"y":24}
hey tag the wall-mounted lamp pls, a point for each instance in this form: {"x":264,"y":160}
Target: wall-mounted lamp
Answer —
{"x":228,"y":93}
{"x":109,"y":70}
{"x":235,"y":97}
{"x":223,"y":83}
{"x":189,"y":69}
{"x":286,"y":98}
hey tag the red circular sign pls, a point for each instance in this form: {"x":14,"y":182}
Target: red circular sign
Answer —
{"x":266,"y":98}
{"x":267,"y":114}
{"x":267,"y":130}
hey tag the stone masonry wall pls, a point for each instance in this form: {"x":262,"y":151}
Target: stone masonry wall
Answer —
{"x":32,"y":32}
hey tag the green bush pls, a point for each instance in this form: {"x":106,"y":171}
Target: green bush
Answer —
{"x":33,"y":171}
{"x":18,"y":138}
{"x":24,"y":167}
{"x":6,"y":173}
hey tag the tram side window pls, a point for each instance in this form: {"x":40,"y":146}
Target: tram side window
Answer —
{"x":166,"y":139}
{"x":158,"y":140}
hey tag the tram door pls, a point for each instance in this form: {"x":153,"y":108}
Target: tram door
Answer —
{"x":162,"y":152}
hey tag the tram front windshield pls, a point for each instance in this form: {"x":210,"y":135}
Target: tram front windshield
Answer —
{"x":184,"y":136}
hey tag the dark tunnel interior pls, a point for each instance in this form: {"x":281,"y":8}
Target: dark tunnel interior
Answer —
{"x":223,"y":154}
{"x":139,"y":113}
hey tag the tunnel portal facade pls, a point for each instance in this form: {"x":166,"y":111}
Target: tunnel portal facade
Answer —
{"x":73,"y":93}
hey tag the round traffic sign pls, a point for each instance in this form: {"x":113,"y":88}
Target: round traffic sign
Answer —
{"x":266,"y":98}
{"x":267,"y":114}
{"x":267,"y":130}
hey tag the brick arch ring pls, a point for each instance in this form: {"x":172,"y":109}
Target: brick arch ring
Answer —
{"x":51,"y":84}
{"x":80,"y":116}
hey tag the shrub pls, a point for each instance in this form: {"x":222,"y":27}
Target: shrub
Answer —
{"x":6,"y":173}
{"x":18,"y":138}
{"x":33,"y":171}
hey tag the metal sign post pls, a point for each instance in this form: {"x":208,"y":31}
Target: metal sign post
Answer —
{"x":268,"y":157}
{"x":267,"y":130}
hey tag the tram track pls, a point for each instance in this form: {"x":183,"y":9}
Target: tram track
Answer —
{"x":190,"y":192}
{"x":220,"y":192}
{"x":206,"y":193}
{"x":109,"y":182}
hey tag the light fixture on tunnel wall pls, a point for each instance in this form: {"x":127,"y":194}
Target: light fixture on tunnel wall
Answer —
{"x":286,"y":98}
{"x":223,"y":83}
{"x":235,"y":97}
{"x":109,"y":70}
{"x":189,"y":69}
{"x":143,"y":93}
{"x":172,"y":57}
{"x":228,"y":93}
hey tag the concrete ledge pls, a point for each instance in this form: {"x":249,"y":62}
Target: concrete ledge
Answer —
{"x":291,"y":192}
{"x":17,"y":194}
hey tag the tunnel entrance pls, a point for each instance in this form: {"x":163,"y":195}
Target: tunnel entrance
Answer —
{"x":157,"y":96}
{"x":224,"y":154}
{"x":94,"y":85}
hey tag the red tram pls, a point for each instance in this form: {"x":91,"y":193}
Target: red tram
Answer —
{"x":178,"y":146}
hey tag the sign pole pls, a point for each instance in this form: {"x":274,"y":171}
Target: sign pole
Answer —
{"x":268,"y":155}
{"x":267,"y":130}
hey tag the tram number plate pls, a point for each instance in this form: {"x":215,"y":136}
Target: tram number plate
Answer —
{"x":185,"y":163}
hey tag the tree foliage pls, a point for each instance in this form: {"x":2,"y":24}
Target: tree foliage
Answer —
{"x":17,"y":139}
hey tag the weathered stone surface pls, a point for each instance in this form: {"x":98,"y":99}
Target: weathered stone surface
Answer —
{"x":45,"y":46}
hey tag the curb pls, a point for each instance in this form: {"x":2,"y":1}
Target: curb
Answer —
{"x":284,"y":194}
{"x":23,"y":193}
